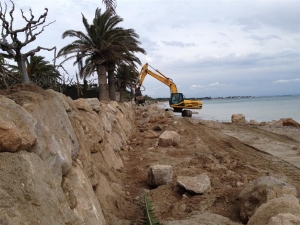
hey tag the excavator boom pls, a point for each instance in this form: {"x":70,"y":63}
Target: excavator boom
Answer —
{"x":159,"y":76}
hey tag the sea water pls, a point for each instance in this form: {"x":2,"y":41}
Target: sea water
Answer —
{"x":253,"y":108}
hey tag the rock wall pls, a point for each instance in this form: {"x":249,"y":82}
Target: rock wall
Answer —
{"x":59,"y":158}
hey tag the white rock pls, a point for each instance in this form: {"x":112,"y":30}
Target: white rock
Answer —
{"x":169,"y":138}
{"x":199,"y":184}
{"x":238,"y":118}
{"x":159,"y":175}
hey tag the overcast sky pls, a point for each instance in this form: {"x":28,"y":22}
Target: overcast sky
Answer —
{"x":209,"y":48}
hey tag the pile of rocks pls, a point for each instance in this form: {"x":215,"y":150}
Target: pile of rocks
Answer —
{"x":240,"y":119}
{"x":265,"y":201}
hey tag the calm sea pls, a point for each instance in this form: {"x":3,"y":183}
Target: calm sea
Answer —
{"x":256,"y":108}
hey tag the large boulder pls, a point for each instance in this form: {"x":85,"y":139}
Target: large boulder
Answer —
{"x":111,"y":158}
{"x":124,"y":118}
{"x":81,"y":196}
{"x":30,"y":194}
{"x":168,"y":138}
{"x":17,"y":127}
{"x":290,"y":122}
{"x":284,"y":219}
{"x":142,"y":122}
{"x":169,"y":114}
{"x":260,"y":191}
{"x":94,"y":103}
{"x":159,"y":175}
{"x":286,"y":204}
{"x":83,"y":104}
{"x":238,"y":118}
{"x":199,"y":184}
{"x":253,"y":122}
{"x":56,"y":142}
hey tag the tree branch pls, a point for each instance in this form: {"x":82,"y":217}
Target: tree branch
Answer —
{"x":37,"y":49}
{"x":33,"y":36}
{"x":11,"y":14}
{"x":5,"y":24}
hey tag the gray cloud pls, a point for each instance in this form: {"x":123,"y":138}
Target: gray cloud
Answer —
{"x":263,"y":39}
{"x":220,"y":44}
{"x":251,"y":60}
{"x":237,"y":75}
{"x":148,"y":44}
{"x":222,"y":34}
{"x":215,"y":20}
{"x":178,"y":44}
{"x":209,"y":86}
{"x":283,"y":15}
{"x":297,"y":80}
{"x":248,"y":24}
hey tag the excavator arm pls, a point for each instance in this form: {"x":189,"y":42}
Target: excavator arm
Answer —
{"x":159,"y":76}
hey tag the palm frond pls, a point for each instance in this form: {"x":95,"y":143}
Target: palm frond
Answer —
{"x":110,"y":5}
{"x":149,"y":217}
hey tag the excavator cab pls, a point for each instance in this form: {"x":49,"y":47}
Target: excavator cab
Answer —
{"x":176,"y":98}
{"x":177,"y":101}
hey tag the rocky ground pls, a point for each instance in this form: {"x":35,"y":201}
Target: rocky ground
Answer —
{"x":232,"y":155}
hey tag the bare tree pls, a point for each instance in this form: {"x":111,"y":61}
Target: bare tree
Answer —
{"x":10,"y":39}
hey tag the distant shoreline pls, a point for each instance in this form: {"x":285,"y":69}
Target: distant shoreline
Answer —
{"x":238,"y":97}
{"x":229,"y":97}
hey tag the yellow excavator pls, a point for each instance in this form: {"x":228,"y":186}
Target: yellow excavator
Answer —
{"x":176,"y":101}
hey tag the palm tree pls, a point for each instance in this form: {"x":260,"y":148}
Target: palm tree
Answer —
{"x":100,"y":48}
{"x":9,"y":74}
{"x":111,"y":73}
{"x":125,"y":55}
{"x":3,"y":73}
{"x":124,"y":43}
{"x":126,"y":76}
{"x":41,"y":72}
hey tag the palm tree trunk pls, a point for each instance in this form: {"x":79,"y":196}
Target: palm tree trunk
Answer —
{"x":102,"y":81}
{"x":122,"y":91}
{"x":111,"y":83}
{"x":85,"y":84}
